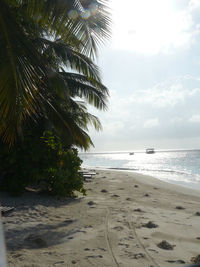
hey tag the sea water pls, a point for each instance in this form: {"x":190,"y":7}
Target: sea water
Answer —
{"x":173,"y":166}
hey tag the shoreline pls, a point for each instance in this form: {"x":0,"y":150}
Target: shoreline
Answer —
{"x":121,"y":222}
{"x":188,"y":185}
{"x":173,"y":166}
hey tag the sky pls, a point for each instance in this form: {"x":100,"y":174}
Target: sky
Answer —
{"x":151,"y":66}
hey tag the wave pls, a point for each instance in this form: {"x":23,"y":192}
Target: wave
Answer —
{"x":145,"y":170}
{"x":150,"y":170}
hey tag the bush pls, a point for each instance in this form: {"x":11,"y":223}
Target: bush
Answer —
{"x":62,"y":177}
{"x":41,"y":161}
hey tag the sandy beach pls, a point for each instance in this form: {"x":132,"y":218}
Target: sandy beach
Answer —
{"x":126,"y":219}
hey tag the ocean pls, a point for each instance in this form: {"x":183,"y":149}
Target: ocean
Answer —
{"x":174,"y":166}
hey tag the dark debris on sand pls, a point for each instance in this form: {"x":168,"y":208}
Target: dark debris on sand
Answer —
{"x":196,"y":259}
{"x":104,"y":191}
{"x":138,"y":210}
{"x":176,"y":261}
{"x":180,"y":208}
{"x":90,"y":203}
{"x":165,"y":245}
{"x":150,"y":225}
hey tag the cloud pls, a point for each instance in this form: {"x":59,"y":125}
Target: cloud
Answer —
{"x":151,"y":123}
{"x":165,"y":94}
{"x":195,"y":118}
{"x":169,"y":109}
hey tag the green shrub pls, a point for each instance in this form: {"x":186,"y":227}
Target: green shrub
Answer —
{"x":40,"y":161}
{"x":63,"y":177}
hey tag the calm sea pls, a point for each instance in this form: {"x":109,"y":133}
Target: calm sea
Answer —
{"x":179,"y":167}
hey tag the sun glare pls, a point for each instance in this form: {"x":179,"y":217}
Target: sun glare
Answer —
{"x":149,"y":26}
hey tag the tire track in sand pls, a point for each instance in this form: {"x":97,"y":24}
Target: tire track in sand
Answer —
{"x":108,"y":239}
{"x":132,"y":227}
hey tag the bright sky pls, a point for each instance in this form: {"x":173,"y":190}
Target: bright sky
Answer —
{"x":150,"y":26}
{"x":152,"y":68}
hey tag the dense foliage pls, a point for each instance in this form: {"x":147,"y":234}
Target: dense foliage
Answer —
{"x":41,"y":162}
{"x":47,"y":52}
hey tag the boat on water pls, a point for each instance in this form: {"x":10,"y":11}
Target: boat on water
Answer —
{"x":131,"y":153}
{"x":150,"y":151}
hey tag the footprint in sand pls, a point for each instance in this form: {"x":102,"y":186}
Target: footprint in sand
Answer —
{"x":103,"y":249}
{"x":153,"y":250}
{"x":138,"y":210}
{"x":180,"y":208}
{"x":68,"y":221}
{"x":93,"y":256}
{"x":90,"y":203}
{"x":118,"y":228}
{"x":104,"y":191}
{"x":123,"y":244}
{"x":89,"y":226}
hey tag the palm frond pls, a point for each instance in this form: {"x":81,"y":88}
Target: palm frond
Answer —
{"x":66,"y":124}
{"x":20,"y":72}
{"x":90,"y":22}
{"x":92,"y":91}
{"x":71,"y":58}
{"x":41,"y":44}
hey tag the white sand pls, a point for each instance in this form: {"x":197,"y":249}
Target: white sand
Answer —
{"x":105,"y":228}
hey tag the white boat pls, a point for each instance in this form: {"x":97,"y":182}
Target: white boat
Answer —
{"x":150,"y":150}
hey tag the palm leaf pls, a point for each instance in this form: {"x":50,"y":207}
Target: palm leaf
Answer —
{"x":92,"y":91}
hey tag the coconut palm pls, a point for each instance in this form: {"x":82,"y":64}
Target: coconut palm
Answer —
{"x":45,"y":51}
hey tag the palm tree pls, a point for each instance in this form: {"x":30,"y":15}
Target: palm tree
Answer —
{"x":45,"y":51}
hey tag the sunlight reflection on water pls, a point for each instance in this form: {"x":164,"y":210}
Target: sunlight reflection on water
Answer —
{"x":182,"y":167}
